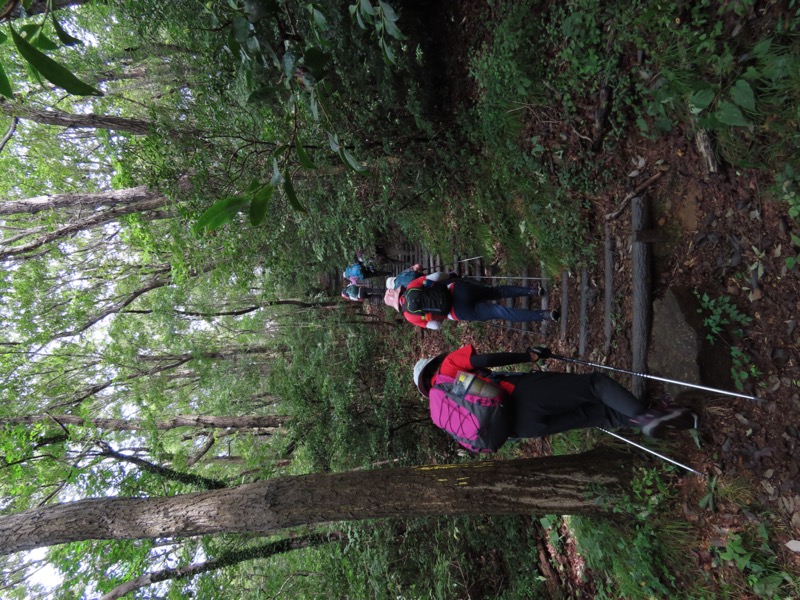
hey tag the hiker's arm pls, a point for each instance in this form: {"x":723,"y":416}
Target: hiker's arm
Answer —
{"x":498,"y":359}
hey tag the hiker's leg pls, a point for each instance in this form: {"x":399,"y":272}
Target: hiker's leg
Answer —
{"x":616,"y":397}
{"x":516,"y":291}
{"x":487,"y":311}
{"x":549,"y":403}
{"x":471,"y":302}
{"x":485,"y":293}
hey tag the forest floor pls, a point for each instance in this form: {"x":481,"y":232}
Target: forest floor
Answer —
{"x":719,"y":234}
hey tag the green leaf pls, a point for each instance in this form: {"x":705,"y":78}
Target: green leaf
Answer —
{"x":351,"y":162}
{"x":279,"y":149}
{"x":65,"y":38}
{"x":702,"y":99}
{"x":742,"y":94}
{"x":333,"y":140}
{"x":276,"y":174}
{"x":387,"y":52}
{"x":313,"y":105}
{"x":366,"y":7}
{"x":302,"y":155}
{"x":3,"y":37}
{"x":260,"y":204}
{"x":33,"y":34}
{"x":393,"y":31}
{"x":319,"y":18}
{"x":388,"y":11}
{"x":5,"y":84}
{"x":52,"y":71}
{"x":289,"y":189}
{"x":316,"y":60}
{"x":221,"y":212}
{"x":762,"y":47}
{"x":254,"y":186}
{"x":730,"y":114}
{"x":288,"y":62}
{"x":241,"y":29}
{"x":267,"y":93}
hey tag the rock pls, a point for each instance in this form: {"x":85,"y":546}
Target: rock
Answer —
{"x":780,"y":357}
{"x":679,"y":348}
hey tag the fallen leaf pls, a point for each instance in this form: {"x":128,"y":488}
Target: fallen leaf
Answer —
{"x":756,"y":294}
{"x":793,"y":545}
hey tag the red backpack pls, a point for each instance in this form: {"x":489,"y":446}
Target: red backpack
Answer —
{"x":477,"y":421}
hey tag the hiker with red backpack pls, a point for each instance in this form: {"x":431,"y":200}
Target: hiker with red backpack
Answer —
{"x":481,"y":409}
{"x":430,"y":300}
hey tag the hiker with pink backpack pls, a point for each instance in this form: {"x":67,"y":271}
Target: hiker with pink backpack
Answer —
{"x":481,"y":409}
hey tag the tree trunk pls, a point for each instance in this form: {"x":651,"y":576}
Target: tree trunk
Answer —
{"x":12,"y":9}
{"x":38,"y":7}
{"x":164,"y":472}
{"x":59,"y":118}
{"x":559,"y":484}
{"x":86,"y":202}
{"x":252,"y":422}
{"x":226,"y":559}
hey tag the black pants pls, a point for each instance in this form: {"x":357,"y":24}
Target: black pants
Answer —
{"x":548,"y":403}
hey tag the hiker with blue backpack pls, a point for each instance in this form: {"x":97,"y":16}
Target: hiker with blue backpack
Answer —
{"x":359,"y":293}
{"x":430,"y":300}
{"x":481,"y":409}
{"x":359,"y":272}
{"x":405,"y":277}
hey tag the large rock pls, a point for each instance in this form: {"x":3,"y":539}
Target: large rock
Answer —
{"x":679,"y":348}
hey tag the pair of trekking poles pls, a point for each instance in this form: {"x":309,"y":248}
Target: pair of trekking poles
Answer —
{"x":627,"y":372}
{"x":655,"y":378}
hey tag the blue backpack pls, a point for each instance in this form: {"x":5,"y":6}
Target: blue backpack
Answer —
{"x":406,"y":277}
{"x":354,"y":270}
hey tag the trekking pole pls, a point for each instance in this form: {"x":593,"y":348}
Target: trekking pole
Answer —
{"x":653,"y":452}
{"x":458,"y":262}
{"x":505,"y":277}
{"x":655,"y":377}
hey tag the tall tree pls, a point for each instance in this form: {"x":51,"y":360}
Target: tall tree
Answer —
{"x":233,"y":422}
{"x":88,"y":202}
{"x":60,"y":118}
{"x":226,"y":559}
{"x":561,"y":484}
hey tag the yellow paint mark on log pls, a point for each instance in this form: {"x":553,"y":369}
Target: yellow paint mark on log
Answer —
{"x":438,"y":467}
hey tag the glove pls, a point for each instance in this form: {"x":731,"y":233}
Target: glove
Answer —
{"x":540,"y":352}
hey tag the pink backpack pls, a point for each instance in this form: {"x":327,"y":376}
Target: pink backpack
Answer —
{"x":481,"y":423}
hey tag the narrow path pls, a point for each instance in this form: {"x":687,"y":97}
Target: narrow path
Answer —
{"x":576,"y":298}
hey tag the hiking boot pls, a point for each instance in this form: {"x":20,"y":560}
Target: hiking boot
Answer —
{"x":554,"y":315}
{"x":655,"y":423}
{"x":537,"y":290}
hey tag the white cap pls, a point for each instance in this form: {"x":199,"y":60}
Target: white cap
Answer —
{"x":421,"y":364}
{"x":390,"y":282}
{"x":392,"y":298}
